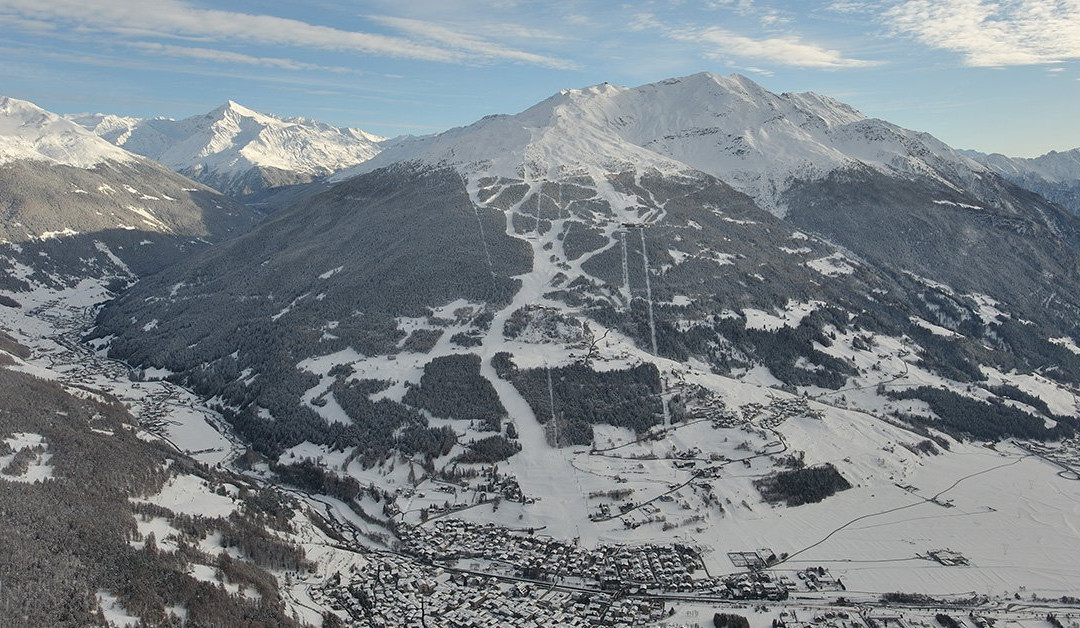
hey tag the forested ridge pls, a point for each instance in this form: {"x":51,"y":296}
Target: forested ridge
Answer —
{"x":67,"y":538}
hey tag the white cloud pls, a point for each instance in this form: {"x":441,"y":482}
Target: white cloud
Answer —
{"x":743,"y":6}
{"x":176,"y":18}
{"x":994,"y":34}
{"x":784,"y":49}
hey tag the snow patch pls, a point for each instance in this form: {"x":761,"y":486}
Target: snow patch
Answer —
{"x":330,"y":273}
{"x":832,"y":265}
{"x":114,"y":612}
{"x":937,"y":330}
{"x":1068,"y":343}
{"x":791,"y":316}
{"x":39,"y":467}
{"x":191,"y":495}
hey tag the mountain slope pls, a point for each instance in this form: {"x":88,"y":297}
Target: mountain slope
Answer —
{"x":629,"y":238}
{"x":238,"y":150}
{"x":1055,"y":175}
{"x":805,"y":156}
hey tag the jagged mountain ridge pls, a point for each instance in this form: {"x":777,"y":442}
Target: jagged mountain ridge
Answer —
{"x":725,"y":126}
{"x":238,"y":150}
{"x":1055,"y":175}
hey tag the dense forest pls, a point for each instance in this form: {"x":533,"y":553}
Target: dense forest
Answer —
{"x":802,"y":486}
{"x":452,"y":388}
{"x":489,"y":450}
{"x":584,"y":397}
{"x":74,"y":535}
{"x":730,"y":620}
{"x":964,"y":417}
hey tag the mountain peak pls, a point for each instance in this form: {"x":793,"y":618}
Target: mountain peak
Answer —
{"x":727,"y":126}
{"x":240,"y":150}
{"x":29,"y":132}
{"x":231,"y":106}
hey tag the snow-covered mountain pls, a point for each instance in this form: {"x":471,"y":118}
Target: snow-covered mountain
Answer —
{"x":67,"y":193}
{"x":32,"y":133}
{"x":238,"y":150}
{"x":113,"y":128}
{"x":863,"y":183}
{"x":1055,"y":175}
{"x":600,"y":204}
{"x":726,"y":126}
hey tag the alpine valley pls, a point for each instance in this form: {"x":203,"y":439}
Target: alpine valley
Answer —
{"x":630,"y":356}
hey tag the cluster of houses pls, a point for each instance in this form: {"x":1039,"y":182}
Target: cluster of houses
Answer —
{"x":1065,"y":454}
{"x":763,"y":585}
{"x":778,"y":411}
{"x":462,"y":573}
{"x":501,"y":485}
{"x":538,"y":558}
{"x":394,"y":591}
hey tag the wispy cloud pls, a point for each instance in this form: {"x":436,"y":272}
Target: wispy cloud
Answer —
{"x":226,"y":56}
{"x":994,"y":34}
{"x":176,"y":18}
{"x":784,"y":49}
{"x":470,"y":43}
{"x":852,"y":6}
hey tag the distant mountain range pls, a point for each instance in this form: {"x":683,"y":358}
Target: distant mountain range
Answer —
{"x":761,"y":142}
{"x":237,"y":150}
{"x":1055,"y":175}
{"x":60,"y":181}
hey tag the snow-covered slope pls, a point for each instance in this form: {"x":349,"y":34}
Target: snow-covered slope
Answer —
{"x":1055,"y":175}
{"x":239,"y":150}
{"x":30,"y":132}
{"x":726,"y":126}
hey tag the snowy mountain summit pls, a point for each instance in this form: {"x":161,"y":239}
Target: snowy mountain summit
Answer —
{"x":726,"y":126}
{"x":239,"y":150}
{"x":30,"y":132}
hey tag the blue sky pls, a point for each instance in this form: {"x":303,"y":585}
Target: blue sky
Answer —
{"x":994,"y":76}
